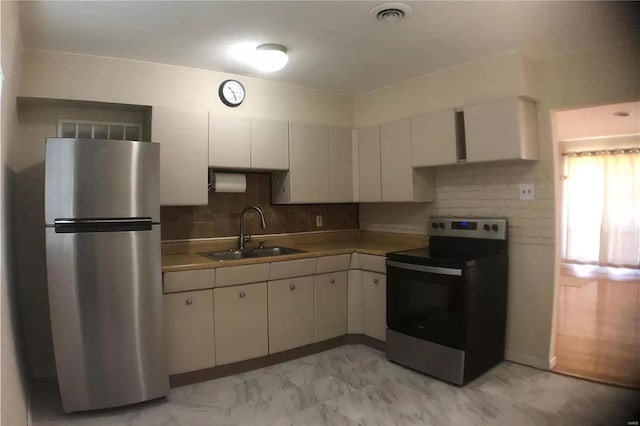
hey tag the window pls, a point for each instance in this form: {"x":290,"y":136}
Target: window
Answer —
{"x":99,"y":130}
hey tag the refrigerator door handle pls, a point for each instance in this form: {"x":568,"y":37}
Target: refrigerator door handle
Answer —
{"x":63,"y":225}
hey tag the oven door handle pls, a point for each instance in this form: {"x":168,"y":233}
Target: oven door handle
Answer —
{"x":429,"y":269}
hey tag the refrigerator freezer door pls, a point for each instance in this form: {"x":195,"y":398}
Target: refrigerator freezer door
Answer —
{"x":105,"y":297}
{"x":93,"y":178}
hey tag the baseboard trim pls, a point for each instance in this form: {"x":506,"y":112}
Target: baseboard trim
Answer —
{"x":184,"y":379}
{"x":531,"y":361}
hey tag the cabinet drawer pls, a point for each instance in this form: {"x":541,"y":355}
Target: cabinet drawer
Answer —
{"x":188,"y":280}
{"x":333,"y":263}
{"x":292,"y":268}
{"x":369,"y":262}
{"x":330,"y":305}
{"x":242,"y":274}
{"x":188,"y":323}
{"x":240,"y":318}
{"x":290,"y":313}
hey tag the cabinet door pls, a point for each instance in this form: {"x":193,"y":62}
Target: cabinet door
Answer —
{"x":309,"y":163}
{"x":395,"y":154}
{"x":269,"y":144}
{"x":504,"y":129}
{"x":340,"y":165}
{"x":183,"y":138}
{"x":369,"y":164}
{"x":290,"y":313}
{"x":433,"y":139}
{"x":374,"y":305}
{"x":330,"y":305}
{"x":188,"y":323}
{"x":240,"y":318}
{"x":229,"y":141}
{"x":354,"y":299}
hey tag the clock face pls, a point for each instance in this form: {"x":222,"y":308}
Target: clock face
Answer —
{"x":231,"y":93}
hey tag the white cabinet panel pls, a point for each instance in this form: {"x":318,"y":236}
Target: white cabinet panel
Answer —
{"x":433,"y":139}
{"x":400,"y":181}
{"x":330,"y":305}
{"x":369,"y":183}
{"x":229,"y":141}
{"x":188,"y":321}
{"x":504,"y":129}
{"x":188,"y":280}
{"x":374,"y":305}
{"x":369,"y":262}
{"x":290,"y":313}
{"x":309,"y":163}
{"x":240,"y":319}
{"x":183,"y":138}
{"x":340,"y":165}
{"x":292,"y":268}
{"x":336,"y":263}
{"x":269,"y":144}
{"x":233,"y":275}
{"x":354,"y":298}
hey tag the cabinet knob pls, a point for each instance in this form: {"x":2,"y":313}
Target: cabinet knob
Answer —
{"x":284,"y":189}
{"x":189,"y":301}
{"x":292,"y":286}
{"x":332,"y":281}
{"x":242,"y":294}
{"x":375,"y":281}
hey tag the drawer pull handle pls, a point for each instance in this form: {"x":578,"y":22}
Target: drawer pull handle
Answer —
{"x":292,"y":286}
{"x":189,"y":301}
{"x":242,"y":294}
{"x":375,"y":281}
{"x":332,"y":281}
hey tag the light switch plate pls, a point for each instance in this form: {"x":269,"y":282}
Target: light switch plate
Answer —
{"x":527,"y":191}
{"x":318,"y":221}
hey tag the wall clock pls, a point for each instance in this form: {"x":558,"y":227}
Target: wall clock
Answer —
{"x":231,"y":93}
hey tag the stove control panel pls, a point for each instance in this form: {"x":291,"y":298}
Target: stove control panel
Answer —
{"x":487,"y":228}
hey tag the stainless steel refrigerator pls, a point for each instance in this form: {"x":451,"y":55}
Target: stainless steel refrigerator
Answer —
{"x":102,"y":227}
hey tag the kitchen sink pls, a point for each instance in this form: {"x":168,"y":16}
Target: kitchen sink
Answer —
{"x":235,"y":254}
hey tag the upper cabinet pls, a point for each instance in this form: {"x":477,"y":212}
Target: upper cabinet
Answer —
{"x":400,"y":181}
{"x":183,"y":138}
{"x":433,"y":139}
{"x":503,"y":129}
{"x":320,"y":169}
{"x":248,"y":143}
{"x":369,"y":183}
{"x":385,"y":172}
{"x":340,"y":165}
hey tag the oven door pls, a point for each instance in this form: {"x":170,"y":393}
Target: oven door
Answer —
{"x":427,"y":302}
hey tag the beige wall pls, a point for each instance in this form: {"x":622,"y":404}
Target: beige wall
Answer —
{"x":13,"y":389}
{"x":95,"y":78}
{"x":604,"y":75}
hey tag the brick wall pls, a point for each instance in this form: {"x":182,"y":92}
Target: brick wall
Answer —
{"x":221,"y":217}
{"x":477,"y":190}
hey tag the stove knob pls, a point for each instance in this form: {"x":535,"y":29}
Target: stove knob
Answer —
{"x":434,"y":225}
{"x":495,"y":228}
{"x":486,"y":227}
{"x":441,"y":225}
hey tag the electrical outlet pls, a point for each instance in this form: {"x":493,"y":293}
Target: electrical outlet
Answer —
{"x":318,"y":221}
{"x":527,"y":191}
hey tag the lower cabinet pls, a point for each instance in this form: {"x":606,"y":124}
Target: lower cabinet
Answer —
{"x":240,"y":318}
{"x":330,"y":305}
{"x":189,"y":330}
{"x":290,"y":313}
{"x":374,"y":305}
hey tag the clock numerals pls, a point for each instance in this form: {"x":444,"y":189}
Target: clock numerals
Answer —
{"x":231,"y":93}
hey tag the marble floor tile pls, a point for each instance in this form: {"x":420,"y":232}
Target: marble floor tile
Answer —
{"x":356,"y":386}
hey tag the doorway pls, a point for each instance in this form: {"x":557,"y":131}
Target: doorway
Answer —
{"x":598,"y":317}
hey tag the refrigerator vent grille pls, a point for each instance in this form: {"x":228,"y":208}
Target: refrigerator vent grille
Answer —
{"x":99,"y":130}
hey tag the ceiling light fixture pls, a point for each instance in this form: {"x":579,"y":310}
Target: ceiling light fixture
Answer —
{"x":391,"y":12}
{"x":622,"y":114}
{"x":270,"y":57}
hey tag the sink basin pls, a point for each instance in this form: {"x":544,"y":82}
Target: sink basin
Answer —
{"x":235,"y":254}
{"x":275,"y":251}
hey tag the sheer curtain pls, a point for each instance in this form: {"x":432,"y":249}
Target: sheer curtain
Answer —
{"x":602,"y":208}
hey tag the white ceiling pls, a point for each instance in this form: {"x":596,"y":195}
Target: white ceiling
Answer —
{"x":334,"y":46}
{"x":598,"y":122}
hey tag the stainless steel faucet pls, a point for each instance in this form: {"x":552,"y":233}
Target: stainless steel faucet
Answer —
{"x":244,"y":239}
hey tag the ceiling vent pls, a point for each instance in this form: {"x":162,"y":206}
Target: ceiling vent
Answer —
{"x":391,"y":12}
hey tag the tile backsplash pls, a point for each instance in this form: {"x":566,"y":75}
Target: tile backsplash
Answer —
{"x":221,"y":217}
